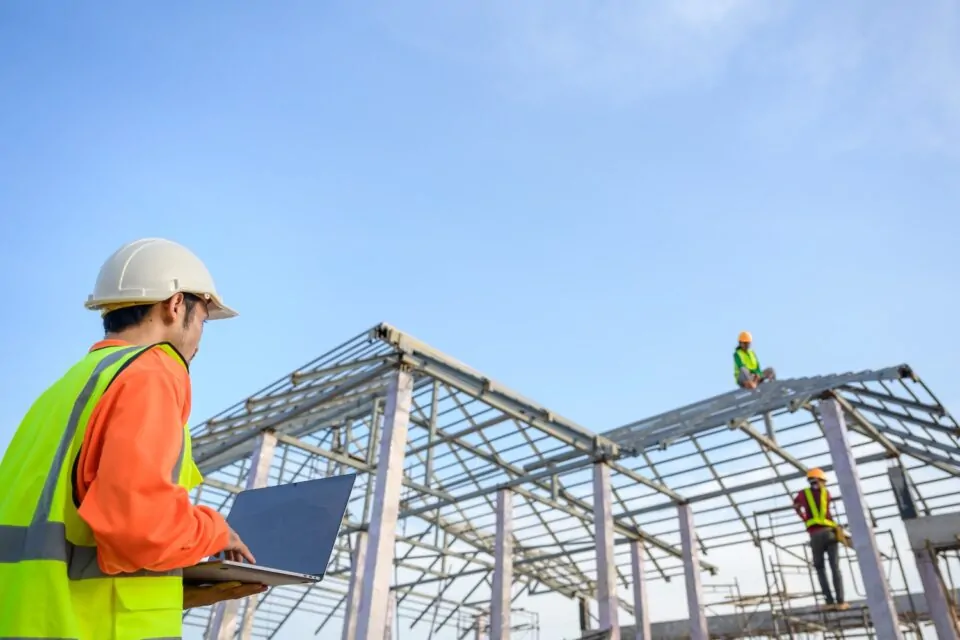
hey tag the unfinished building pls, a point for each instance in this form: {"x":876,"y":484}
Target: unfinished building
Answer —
{"x":470,"y":499}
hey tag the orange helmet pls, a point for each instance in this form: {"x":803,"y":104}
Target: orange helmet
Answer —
{"x":816,"y":474}
{"x":745,"y":336}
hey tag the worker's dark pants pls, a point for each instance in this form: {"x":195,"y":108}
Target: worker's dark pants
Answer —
{"x":824,"y":543}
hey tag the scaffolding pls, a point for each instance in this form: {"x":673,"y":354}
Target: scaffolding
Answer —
{"x":525,"y":625}
{"x":793,"y":595}
{"x":592,"y":513}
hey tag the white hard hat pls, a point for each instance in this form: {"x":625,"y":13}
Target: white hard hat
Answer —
{"x":152,"y":270}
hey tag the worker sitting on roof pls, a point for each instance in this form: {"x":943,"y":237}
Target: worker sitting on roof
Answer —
{"x":813,"y":506}
{"x":746,"y":366}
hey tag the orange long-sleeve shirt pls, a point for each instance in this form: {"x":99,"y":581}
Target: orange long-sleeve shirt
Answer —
{"x":140,"y":518}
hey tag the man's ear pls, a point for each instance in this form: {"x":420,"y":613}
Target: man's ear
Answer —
{"x":172,"y":307}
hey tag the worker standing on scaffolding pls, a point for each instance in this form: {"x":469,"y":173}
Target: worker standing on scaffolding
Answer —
{"x":746,"y":365}
{"x":813,"y":506}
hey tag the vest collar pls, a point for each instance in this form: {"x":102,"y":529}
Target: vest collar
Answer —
{"x":172,"y":350}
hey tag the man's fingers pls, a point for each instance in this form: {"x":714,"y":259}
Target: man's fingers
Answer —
{"x":248,"y":590}
{"x":227,"y":586}
{"x":245,"y":552}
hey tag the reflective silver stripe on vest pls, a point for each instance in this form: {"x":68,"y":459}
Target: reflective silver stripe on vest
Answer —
{"x":175,"y":476}
{"x":45,"y":540}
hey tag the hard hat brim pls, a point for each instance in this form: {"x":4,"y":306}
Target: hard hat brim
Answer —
{"x":216,"y":310}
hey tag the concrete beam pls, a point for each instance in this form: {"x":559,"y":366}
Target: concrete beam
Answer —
{"x":941,"y":609}
{"x":607,"y":601}
{"x":351,"y":608}
{"x":375,"y":591}
{"x":503,"y":568}
{"x":641,"y":611}
{"x":225,"y":614}
{"x":939,"y":533}
{"x":691,"y":568}
{"x":879,"y":598}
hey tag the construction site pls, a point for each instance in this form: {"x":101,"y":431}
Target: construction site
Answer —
{"x":478,"y":513}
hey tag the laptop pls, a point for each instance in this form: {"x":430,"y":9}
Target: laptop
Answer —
{"x":291,"y":529}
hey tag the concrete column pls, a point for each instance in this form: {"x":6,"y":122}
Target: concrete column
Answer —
{"x":691,"y":571}
{"x":879,"y":600}
{"x":391,"y":616}
{"x":353,"y":589}
{"x":642,"y":613}
{"x":246,"y":624}
{"x":937,"y":604}
{"x":607,"y":601}
{"x":375,"y":592}
{"x":224,"y":625}
{"x":502,"y":568}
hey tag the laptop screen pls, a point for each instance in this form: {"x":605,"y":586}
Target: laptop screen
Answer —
{"x":293,"y":527}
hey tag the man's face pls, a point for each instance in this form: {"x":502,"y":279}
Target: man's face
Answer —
{"x":744,"y":345}
{"x":185,"y":330}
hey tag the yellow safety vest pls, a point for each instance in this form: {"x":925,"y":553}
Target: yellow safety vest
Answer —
{"x":818,"y":515}
{"x":51,"y":585}
{"x":749,"y":360}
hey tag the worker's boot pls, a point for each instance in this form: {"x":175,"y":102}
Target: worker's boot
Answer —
{"x":841,"y":606}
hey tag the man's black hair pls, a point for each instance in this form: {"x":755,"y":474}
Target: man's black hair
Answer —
{"x":129,"y":317}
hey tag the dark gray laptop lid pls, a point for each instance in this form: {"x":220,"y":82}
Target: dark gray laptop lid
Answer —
{"x":293,"y":527}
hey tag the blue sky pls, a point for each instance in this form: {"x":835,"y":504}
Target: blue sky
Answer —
{"x":587,"y":202}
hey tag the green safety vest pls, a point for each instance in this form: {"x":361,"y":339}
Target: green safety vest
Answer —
{"x":51,"y":585}
{"x":818,"y":515}
{"x":749,"y":360}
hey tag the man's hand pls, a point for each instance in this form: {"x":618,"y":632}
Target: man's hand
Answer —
{"x":204,"y":596}
{"x":236,"y":550}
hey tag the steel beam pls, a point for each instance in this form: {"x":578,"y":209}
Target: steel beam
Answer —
{"x":584,"y":609}
{"x":474,"y":383}
{"x":748,"y":486}
{"x":769,"y":444}
{"x":889,"y":398}
{"x":641,"y":611}
{"x":879,"y":598}
{"x":865,"y":427}
{"x":607,"y":601}
{"x":224,"y":625}
{"x":498,"y":398}
{"x":350,"y":610}
{"x":375,"y":591}
{"x":217,"y":449}
{"x":691,"y":570}
{"x":503,"y":568}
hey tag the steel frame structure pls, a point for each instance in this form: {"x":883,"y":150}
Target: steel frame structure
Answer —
{"x":471,"y":440}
